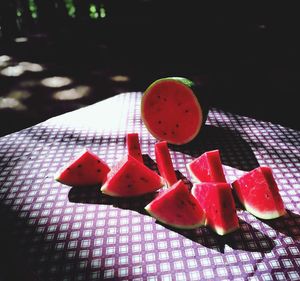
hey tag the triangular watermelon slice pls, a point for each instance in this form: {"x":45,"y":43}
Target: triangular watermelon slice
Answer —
{"x":86,"y":169}
{"x":207,"y":167}
{"x":164,"y":162}
{"x":131,"y":178}
{"x":218,"y":204}
{"x":259,"y":193}
{"x":133,"y":146}
{"x":177,"y":207}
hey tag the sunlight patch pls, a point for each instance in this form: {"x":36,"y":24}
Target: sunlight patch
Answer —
{"x":56,"y":81}
{"x":72,"y":94}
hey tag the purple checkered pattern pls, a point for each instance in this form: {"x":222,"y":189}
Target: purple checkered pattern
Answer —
{"x":67,"y":233}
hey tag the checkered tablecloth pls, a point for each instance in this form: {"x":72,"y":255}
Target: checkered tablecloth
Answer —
{"x":66,"y":233}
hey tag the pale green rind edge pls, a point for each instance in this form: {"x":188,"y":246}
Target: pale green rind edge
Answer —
{"x":56,"y":176}
{"x":264,"y":215}
{"x":147,"y":208}
{"x":221,"y":231}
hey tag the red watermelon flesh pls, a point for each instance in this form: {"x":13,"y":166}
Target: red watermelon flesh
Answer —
{"x":164,"y":162}
{"x":133,"y":146}
{"x":218,"y":204}
{"x":257,"y":190}
{"x":207,"y":167}
{"x":177,"y":207}
{"x":171,"y":111}
{"x":86,"y":169}
{"x":131,"y":178}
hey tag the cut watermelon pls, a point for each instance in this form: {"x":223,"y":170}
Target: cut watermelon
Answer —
{"x":207,"y":167}
{"x":177,"y":207}
{"x":259,"y":193}
{"x":164,"y":162}
{"x":172,"y":111}
{"x":133,"y":146}
{"x":131,"y":178}
{"x":218,"y":204}
{"x":86,"y":169}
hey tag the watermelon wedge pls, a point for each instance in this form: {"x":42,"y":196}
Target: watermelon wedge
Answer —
{"x":86,"y":169}
{"x":207,"y":167}
{"x":218,"y":204}
{"x":177,"y":207}
{"x":164,"y":162}
{"x":131,"y":178}
{"x":171,"y":110}
{"x":257,"y":190}
{"x":133,"y":146}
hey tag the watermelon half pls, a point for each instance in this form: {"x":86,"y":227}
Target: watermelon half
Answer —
{"x":131,"y":178}
{"x":207,"y":167}
{"x":258,"y":192}
{"x":218,"y":204}
{"x":133,"y":146}
{"x":164,"y":162}
{"x":86,"y":169}
{"x":177,"y":207}
{"x":171,"y":110}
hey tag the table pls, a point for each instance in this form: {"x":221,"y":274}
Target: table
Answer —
{"x":67,"y":233}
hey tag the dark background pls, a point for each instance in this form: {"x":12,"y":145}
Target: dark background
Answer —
{"x":247,"y":55}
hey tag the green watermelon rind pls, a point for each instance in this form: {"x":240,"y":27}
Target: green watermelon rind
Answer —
{"x":265,"y":215}
{"x":193,"y":226}
{"x":189,"y":84}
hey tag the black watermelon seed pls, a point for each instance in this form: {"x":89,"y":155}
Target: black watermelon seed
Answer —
{"x":79,"y":166}
{"x":98,"y":170}
{"x":143,"y":179}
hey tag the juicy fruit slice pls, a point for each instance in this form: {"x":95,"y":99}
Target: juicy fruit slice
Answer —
{"x":131,"y":178}
{"x":207,"y":167}
{"x":177,"y":207}
{"x":171,"y":110}
{"x":133,"y":146}
{"x":164,"y":162}
{"x":259,"y":193}
{"x":86,"y":169}
{"x":218,"y":204}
